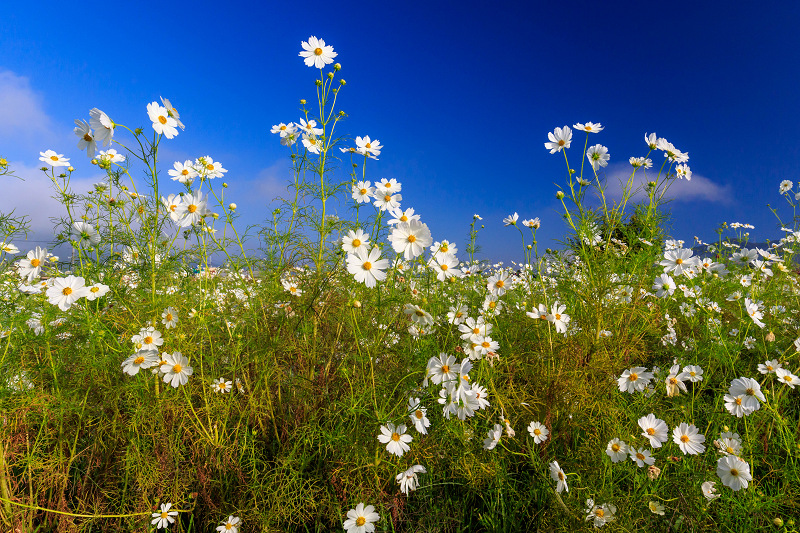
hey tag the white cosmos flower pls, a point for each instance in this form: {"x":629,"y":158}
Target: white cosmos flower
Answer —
{"x":558,"y":475}
{"x":66,"y":291}
{"x":734,"y":472}
{"x":183,"y":172}
{"x":367,"y":267}
{"x":598,"y":156}
{"x":86,"y":138}
{"x":53,"y":159}
{"x":408,"y":480}
{"x":395,"y":438}
{"x":410,"y":238}
{"x":102,"y":125}
{"x":316,"y":53}
{"x":355,"y":240}
{"x":688,"y":439}
{"x":559,"y":138}
{"x":163,"y":124}
{"x":176,"y":369}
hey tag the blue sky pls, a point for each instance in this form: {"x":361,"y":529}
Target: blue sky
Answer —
{"x":461,"y":95}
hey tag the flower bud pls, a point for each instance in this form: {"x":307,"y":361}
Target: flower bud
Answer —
{"x":341,"y":113}
{"x":3,"y":162}
{"x":529,"y":247}
{"x":330,"y":75}
{"x":137,"y":131}
{"x":319,"y":83}
{"x":71,"y":168}
{"x":302,"y":101}
{"x":560,"y":195}
{"x":342,"y":82}
{"x":337,"y":67}
{"x":224,"y":185}
{"x":777,"y":521}
{"x":356,"y":304}
{"x":770,"y":337}
{"x":214,"y":216}
{"x":232,"y":206}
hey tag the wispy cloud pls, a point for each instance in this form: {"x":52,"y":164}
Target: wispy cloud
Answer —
{"x":24,"y":123}
{"x":699,"y":189}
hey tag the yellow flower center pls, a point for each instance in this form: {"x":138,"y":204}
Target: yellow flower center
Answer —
{"x":419,"y":414}
{"x":67,"y":291}
{"x":318,"y":52}
{"x":387,"y":198}
{"x":445,"y":369}
{"x":228,"y":526}
{"x":750,"y":392}
{"x":164,"y":514}
{"x":363,"y":191}
{"x":148,"y":340}
{"x":737,"y":401}
{"x":162,"y":119}
{"x":87,"y":137}
{"x":192,"y":208}
{"x":177,"y":369}
{"x":367,"y":265}
{"x":139,"y":360}
{"x":615,"y":447}
{"x":734,"y":472}
{"x":403,"y":218}
{"x":476,"y":331}
{"x":395,"y":437}
{"x":684,"y":438}
{"x":673,"y":381}
{"x":651,"y":431}
{"x":443,"y":267}
{"x":210,"y":167}
{"x":54,"y":157}
{"x":729,"y":449}
{"x":561,"y":143}
{"x":787,"y":378}
{"x":640,"y":456}
{"x":361,"y":520}
{"x":221,"y":386}
{"x":95,"y":289}
{"x":587,"y":128}
{"x":679,"y":261}
{"x":558,"y":316}
{"x":368,"y":145}
{"x":185,"y":172}
{"x":356,"y":243}
{"x":35,"y":263}
{"x":600,"y":513}
{"x":537,"y":432}
{"x":169,"y":317}
{"x":412,"y":238}
{"x":561,"y":475}
{"x":500,"y":284}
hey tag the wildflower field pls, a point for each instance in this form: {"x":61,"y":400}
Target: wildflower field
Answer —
{"x":361,"y":374}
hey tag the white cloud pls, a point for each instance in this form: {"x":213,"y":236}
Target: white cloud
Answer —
{"x":24,"y":124}
{"x":32,"y":196}
{"x":699,"y":189}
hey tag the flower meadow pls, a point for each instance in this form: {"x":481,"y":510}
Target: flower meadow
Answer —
{"x":361,"y":374}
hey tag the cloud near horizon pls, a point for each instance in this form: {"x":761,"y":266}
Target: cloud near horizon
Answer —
{"x":24,"y":123}
{"x":699,"y":189}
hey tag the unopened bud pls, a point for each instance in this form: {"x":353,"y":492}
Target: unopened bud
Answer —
{"x":214,"y":216}
{"x":303,"y":101}
{"x":341,"y":113}
{"x":560,"y":195}
{"x":330,"y":75}
{"x":777,"y":521}
{"x":71,"y":168}
{"x":137,"y":131}
{"x":224,"y":184}
{"x":529,"y":247}
{"x":319,"y":83}
{"x":232,"y":206}
{"x":356,"y":304}
{"x":342,"y":82}
{"x":337,"y":67}
{"x":770,"y":337}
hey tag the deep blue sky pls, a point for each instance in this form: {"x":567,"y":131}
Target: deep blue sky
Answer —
{"x":462,"y":97}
